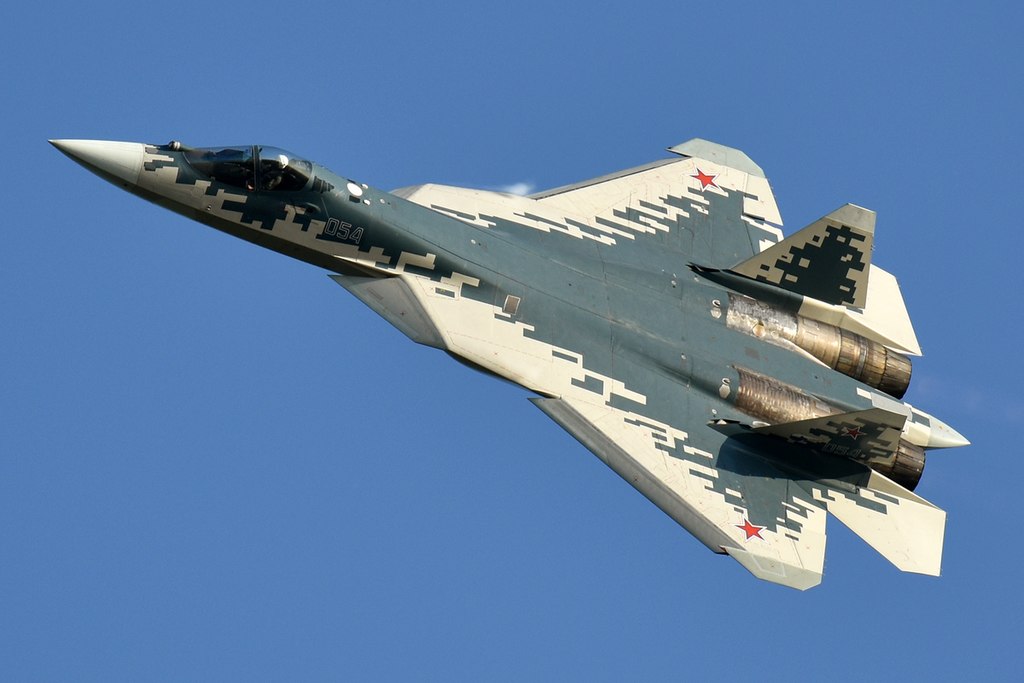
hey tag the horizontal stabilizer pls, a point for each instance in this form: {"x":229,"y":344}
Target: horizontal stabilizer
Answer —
{"x":883,"y":319}
{"x":904,"y":528}
{"x":828,"y":260}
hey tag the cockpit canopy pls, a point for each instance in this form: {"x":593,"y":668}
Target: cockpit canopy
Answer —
{"x":252,"y":167}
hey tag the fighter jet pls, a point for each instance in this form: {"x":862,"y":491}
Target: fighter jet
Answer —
{"x":746,"y":383}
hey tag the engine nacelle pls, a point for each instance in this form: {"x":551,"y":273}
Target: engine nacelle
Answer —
{"x":862,"y":359}
{"x":775,"y":402}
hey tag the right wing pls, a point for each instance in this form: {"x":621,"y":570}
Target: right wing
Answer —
{"x":760,"y":496}
{"x":750,"y":510}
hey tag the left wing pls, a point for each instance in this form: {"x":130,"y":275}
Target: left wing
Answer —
{"x":732,"y":502}
{"x":711,"y":204}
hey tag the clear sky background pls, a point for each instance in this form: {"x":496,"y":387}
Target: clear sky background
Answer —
{"x":215,"y":464}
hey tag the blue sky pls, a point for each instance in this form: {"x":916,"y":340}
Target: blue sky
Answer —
{"x":215,"y":464}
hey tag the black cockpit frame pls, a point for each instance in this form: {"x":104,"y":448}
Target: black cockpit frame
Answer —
{"x":251,"y":167}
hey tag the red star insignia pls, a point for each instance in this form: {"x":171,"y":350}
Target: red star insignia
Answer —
{"x":706,"y":179}
{"x":853,"y":433}
{"x":750,"y":530}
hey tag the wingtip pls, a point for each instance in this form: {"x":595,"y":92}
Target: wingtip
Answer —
{"x":773,"y":571}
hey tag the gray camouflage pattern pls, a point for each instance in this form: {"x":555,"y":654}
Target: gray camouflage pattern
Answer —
{"x":609,"y":300}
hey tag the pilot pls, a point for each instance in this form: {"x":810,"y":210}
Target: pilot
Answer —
{"x":272,"y":171}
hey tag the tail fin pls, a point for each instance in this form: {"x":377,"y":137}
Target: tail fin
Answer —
{"x":828,"y":260}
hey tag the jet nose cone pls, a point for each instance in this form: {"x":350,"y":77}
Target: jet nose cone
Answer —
{"x":118,"y":162}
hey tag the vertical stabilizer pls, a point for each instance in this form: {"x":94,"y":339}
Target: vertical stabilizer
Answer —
{"x":828,"y":260}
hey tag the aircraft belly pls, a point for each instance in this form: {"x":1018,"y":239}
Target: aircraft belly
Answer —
{"x":645,"y":308}
{"x":489,"y":336}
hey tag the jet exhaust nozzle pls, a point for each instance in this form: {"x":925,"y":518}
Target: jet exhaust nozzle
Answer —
{"x":775,"y":402}
{"x":847,"y":352}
